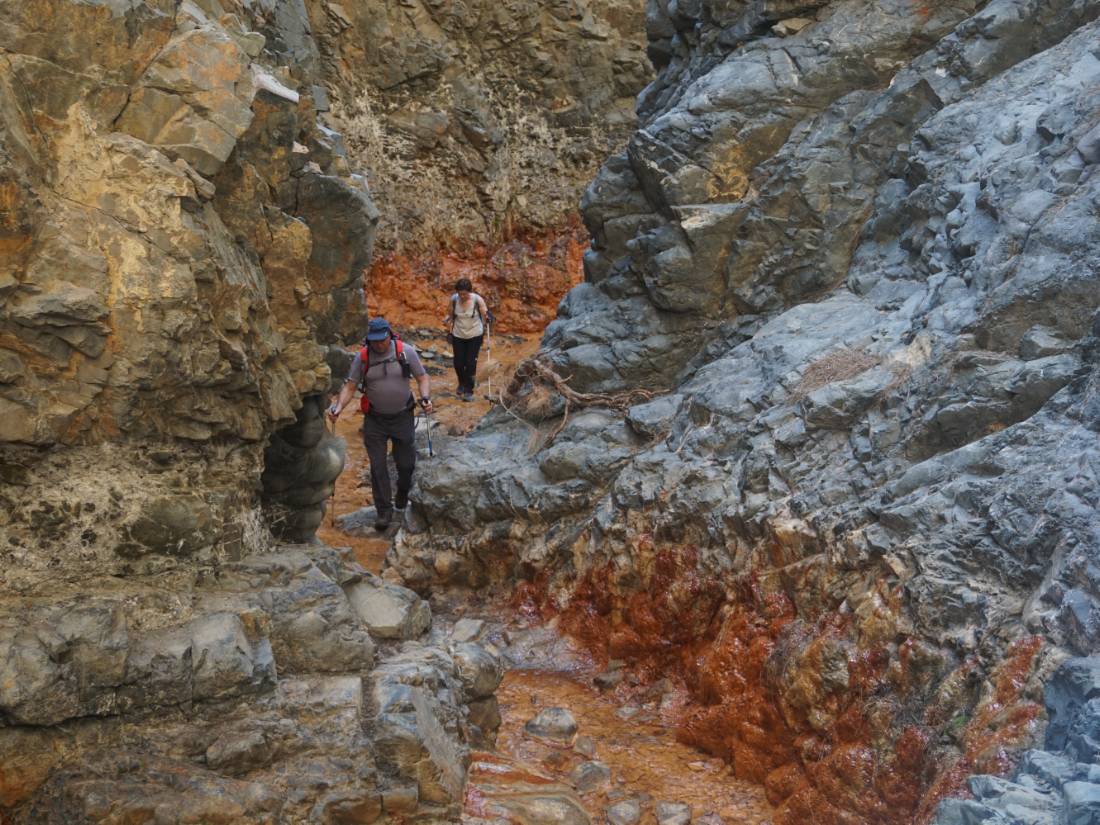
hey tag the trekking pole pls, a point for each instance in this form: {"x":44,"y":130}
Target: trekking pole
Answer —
{"x":332,"y":496}
{"x":489,"y":358}
{"x":428,"y":419}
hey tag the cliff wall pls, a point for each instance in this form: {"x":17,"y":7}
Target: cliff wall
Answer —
{"x":817,"y":433}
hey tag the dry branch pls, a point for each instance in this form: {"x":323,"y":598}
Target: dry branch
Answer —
{"x":544,"y":382}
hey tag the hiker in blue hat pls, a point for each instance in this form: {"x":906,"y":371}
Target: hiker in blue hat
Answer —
{"x":381,"y":372}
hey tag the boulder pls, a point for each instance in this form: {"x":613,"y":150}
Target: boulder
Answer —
{"x":389,"y":611}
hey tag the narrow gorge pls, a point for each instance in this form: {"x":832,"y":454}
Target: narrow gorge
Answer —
{"x":780,"y":503}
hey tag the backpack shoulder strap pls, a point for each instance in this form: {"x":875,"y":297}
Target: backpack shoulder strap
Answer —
{"x":399,"y":349}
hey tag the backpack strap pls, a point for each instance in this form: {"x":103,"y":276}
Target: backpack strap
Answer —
{"x":364,"y":356}
{"x":364,"y":402}
{"x":477,"y":307}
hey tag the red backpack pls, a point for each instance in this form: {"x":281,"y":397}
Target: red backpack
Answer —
{"x":364,"y":355}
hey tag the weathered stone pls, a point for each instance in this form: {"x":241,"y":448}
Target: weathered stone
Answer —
{"x":389,"y":611}
{"x":554,"y":724}
{"x":468,"y":630}
{"x":588,"y":776}
{"x":479,"y":670}
{"x":672,"y":813}
{"x":627,"y":812}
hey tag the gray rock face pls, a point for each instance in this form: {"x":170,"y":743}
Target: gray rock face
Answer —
{"x":1049,"y":788}
{"x":248,"y":699}
{"x":862,"y":261}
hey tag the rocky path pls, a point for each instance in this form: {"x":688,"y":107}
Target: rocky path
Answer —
{"x":578,"y":745}
{"x":452,"y":417}
{"x":616,"y":758}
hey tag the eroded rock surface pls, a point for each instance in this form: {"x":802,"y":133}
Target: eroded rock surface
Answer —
{"x":179,"y":237}
{"x":478,"y":119}
{"x":253,"y":692}
{"x":854,"y":259}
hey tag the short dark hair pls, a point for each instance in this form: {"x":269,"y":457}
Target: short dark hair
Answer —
{"x":463,"y":285}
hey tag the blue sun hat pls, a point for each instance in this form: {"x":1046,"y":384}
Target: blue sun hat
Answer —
{"x":378,"y":330}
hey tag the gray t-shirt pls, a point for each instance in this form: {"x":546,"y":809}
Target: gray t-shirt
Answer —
{"x":387,"y":389}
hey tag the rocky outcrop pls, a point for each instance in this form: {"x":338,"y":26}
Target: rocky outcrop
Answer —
{"x":828,"y":444}
{"x":1058,"y":785}
{"x":179,"y":234}
{"x":259,"y":692}
{"x":479,"y":119}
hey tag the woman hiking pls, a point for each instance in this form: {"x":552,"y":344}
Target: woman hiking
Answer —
{"x":466,"y":321}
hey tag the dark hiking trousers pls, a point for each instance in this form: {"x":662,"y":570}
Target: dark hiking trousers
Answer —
{"x":378,"y":430}
{"x":465,"y":360}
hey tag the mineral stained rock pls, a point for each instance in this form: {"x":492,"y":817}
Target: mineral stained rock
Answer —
{"x":177,"y":237}
{"x":852,"y":262}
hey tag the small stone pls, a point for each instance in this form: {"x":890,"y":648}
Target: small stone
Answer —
{"x":555,"y":724}
{"x":1040,"y":342}
{"x":389,"y":611}
{"x":627,"y":812}
{"x":588,"y":776}
{"x":710,"y":818}
{"x":628,"y":712}
{"x":585,"y":746}
{"x":792,"y":25}
{"x":608,"y":680}
{"x":468,"y":630}
{"x":673,"y":813}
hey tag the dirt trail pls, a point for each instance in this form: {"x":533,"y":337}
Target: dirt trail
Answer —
{"x":646,"y":760}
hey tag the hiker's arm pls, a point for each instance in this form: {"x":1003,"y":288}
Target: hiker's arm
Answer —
{"x":449,"y":318}
{"x":486,"y":316}
{"x":424,"y":385}
{"x":346,"y":393}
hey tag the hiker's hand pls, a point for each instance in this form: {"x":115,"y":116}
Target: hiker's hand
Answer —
{"x":333,"y":411}
{"x":426,"y":404}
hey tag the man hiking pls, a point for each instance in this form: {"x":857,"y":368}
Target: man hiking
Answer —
{"x":381,"y":372}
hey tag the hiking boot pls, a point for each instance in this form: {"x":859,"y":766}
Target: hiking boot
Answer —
{"x":401,"y":501}
{"x":383,"y":520}
{"x":467,"y":396}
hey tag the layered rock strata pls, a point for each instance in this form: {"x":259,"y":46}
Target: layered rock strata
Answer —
{"x":851,"y":260}
{"x":291,"y":686}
